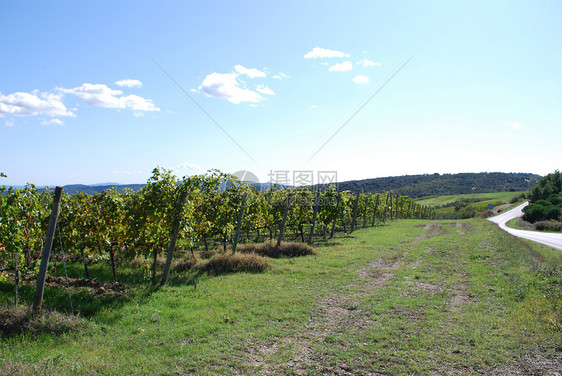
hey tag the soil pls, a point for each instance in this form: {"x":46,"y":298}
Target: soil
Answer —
{"x":98,"y":287}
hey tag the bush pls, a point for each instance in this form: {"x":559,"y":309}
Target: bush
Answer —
{"x":466,"y":212}
{"x":537,"y":212}
{"x":228,"y":262}
{"x":270,"y":249}
{"x":521,"y":223}
{"x":548,"y":226}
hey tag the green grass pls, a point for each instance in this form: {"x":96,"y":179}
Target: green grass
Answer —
{"x":485,"y":197}
{"x":412,"y":297}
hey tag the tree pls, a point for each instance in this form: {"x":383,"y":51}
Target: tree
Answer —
{"x":545,"y":199}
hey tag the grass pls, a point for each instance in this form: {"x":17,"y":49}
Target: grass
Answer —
{"x":270,"y":249}
{"x":412,"y":297}
{"x":476,"y":204}
{"x":484,"y":197}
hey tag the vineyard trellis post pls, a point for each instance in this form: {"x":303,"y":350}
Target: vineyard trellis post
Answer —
{"x":375,"y":211}
{"x":314,"y":214}
{"x":46,"y":254}
{"x":365,"y":211}
{"x":174,"y":237}
{"x":338,"y":199}
{"x":355,"y":205}
{"x":239,"y":223}
{"x":284,"y":222}
{"x":385,"y":208}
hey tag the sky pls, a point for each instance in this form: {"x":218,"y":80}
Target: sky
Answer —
{"x":105,"y":91}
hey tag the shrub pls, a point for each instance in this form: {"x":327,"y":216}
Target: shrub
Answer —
{"x":466,"y":212}
{"x":521,"y":223}
{"x":537,"y":212}
{"x":270,"y":249}
{"x":228,"y":262}
{"x":486,"y":214}
{"x":548,"y":226}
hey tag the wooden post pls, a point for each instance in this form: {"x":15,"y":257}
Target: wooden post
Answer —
{"x":282,"y":229}
{"x":354,"y":212}
{"x":314,"y":214}
{"x":173,"y":238}
{"x":240,"y":214}
{"x":375,"y":211}
{"x":365,"y":212}
{"x":385,"y":208}
{"x":46,"y":254}
{"x":335,"y":216}
{"x":16,"y":283}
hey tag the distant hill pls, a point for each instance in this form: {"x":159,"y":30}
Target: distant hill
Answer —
{"x":416,"y":186}
{"x":97,"y":188}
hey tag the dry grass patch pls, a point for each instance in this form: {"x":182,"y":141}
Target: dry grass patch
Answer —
{"x":188,"y":262}
{"x":270,"y":249}
{"x":228,"y":262}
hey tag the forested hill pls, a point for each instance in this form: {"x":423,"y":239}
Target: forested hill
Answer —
{"x":411,"y":185}
{"x":447,"y":184}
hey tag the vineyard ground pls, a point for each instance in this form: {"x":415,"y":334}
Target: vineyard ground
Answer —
{"x":412,"y":297}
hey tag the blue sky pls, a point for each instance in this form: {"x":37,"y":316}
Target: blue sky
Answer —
{"x":83,"y":98}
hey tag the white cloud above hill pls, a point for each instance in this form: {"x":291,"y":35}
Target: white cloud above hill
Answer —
{"x":129,"y":83}
{"x":341,"y":67}
{"x":318,"y":52}
{"x":101,"y":95}
{"x":231,"y":87}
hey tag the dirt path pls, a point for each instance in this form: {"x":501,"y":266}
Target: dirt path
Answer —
{"x":341,"y":322}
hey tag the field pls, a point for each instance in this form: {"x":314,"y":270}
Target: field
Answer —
{"x":482,"y":197}
{"x":412,"y":297}
{"x":470,"y":205}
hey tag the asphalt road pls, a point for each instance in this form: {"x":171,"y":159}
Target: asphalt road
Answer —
{"x":552,"y":240}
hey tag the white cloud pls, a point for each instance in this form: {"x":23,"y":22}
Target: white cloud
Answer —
{"x":313,"y":106}
{"x":341,"y":67}
{"x":368,"y":63}
{"x":250,"y":72}
{"x":102,"y":96}
{"x":190,"y":166}
{"x":32,"y":104}
{"x":52,"y":122}
{"x":280,"y":76}
{"x":10,"y":123}
{"x":360,"y":79}
{"x":122,"y":172}
{"x":318,"y":52}
{"x":264,"y":90}
{"x":514,"y":125}
{"x":226,"y":86}
{"x":129,"y":83}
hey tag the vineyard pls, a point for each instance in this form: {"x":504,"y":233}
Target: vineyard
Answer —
{"x":195,"y":213}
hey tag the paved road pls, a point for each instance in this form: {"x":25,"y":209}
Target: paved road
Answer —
{"x":553,"y":240}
